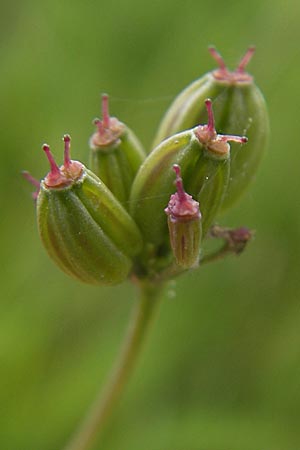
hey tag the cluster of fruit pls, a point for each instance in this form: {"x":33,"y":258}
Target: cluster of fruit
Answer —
{"x":133,"y":213}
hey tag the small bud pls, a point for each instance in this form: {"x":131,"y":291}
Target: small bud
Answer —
{"x":240,"y":109}
{"x":184,"y":223}
{"x":239,"y":238}
{"x":83,"y":227}
{"x":236,"y":238}
{"x":116,"y":153}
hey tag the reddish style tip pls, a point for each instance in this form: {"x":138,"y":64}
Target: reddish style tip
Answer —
{"x":104,"y":124}
{"x":217,"y":143}
{"x":179,"y":184}
{"x":233,"y":138}
{"x":54,"y":169}
{"x":177,"y":170}
{"x":65,"y":175}
{"x":30,"y":178}
{"x":109,"y":129}
{"x":67,"y":151}
{"x":239,"y":75}
{"x":245,"y":60}
{"x":218,"y":58}
{"x":210,"y":114}
{"x":105,"y":111}
{"x":33,"y":181}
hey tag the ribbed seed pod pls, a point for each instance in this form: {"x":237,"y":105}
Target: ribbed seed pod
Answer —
{"x":184,"y":223}
{"x":116,"y":154}
{"x":203,"y":156}
{"x":186,"y":110}
{"x":246,"y":113}
{"x":239,"y":108}
{"x":153,"y":184}
{"x":83,"y":227}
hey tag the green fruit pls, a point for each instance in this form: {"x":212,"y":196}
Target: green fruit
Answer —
{"x":83,"y":227}
{"x":239,"y":108}
{"x":184,"y":223}
{"x":116,"y":154}
{"x":204,"y":158}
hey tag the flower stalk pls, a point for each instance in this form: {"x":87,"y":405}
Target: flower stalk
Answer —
{"x":142,"y":315}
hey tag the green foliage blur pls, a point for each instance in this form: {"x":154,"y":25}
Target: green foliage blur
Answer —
{"x":221,"y":367}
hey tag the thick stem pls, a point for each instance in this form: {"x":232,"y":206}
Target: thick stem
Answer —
{"x":96,"y":419}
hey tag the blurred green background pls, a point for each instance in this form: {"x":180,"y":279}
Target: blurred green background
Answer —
{"x":221,"y":368}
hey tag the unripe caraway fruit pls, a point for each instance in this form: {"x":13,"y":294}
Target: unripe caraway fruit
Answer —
{"x":203,"y":156}
{"x":116,"y":154}
{"x":83,"y":227}
{"x":239,"y":108}
{"x":184,"y":223}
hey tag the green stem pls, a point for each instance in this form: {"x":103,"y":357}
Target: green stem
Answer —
{"x":96,"y":419}
{"x":217,"y":255}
